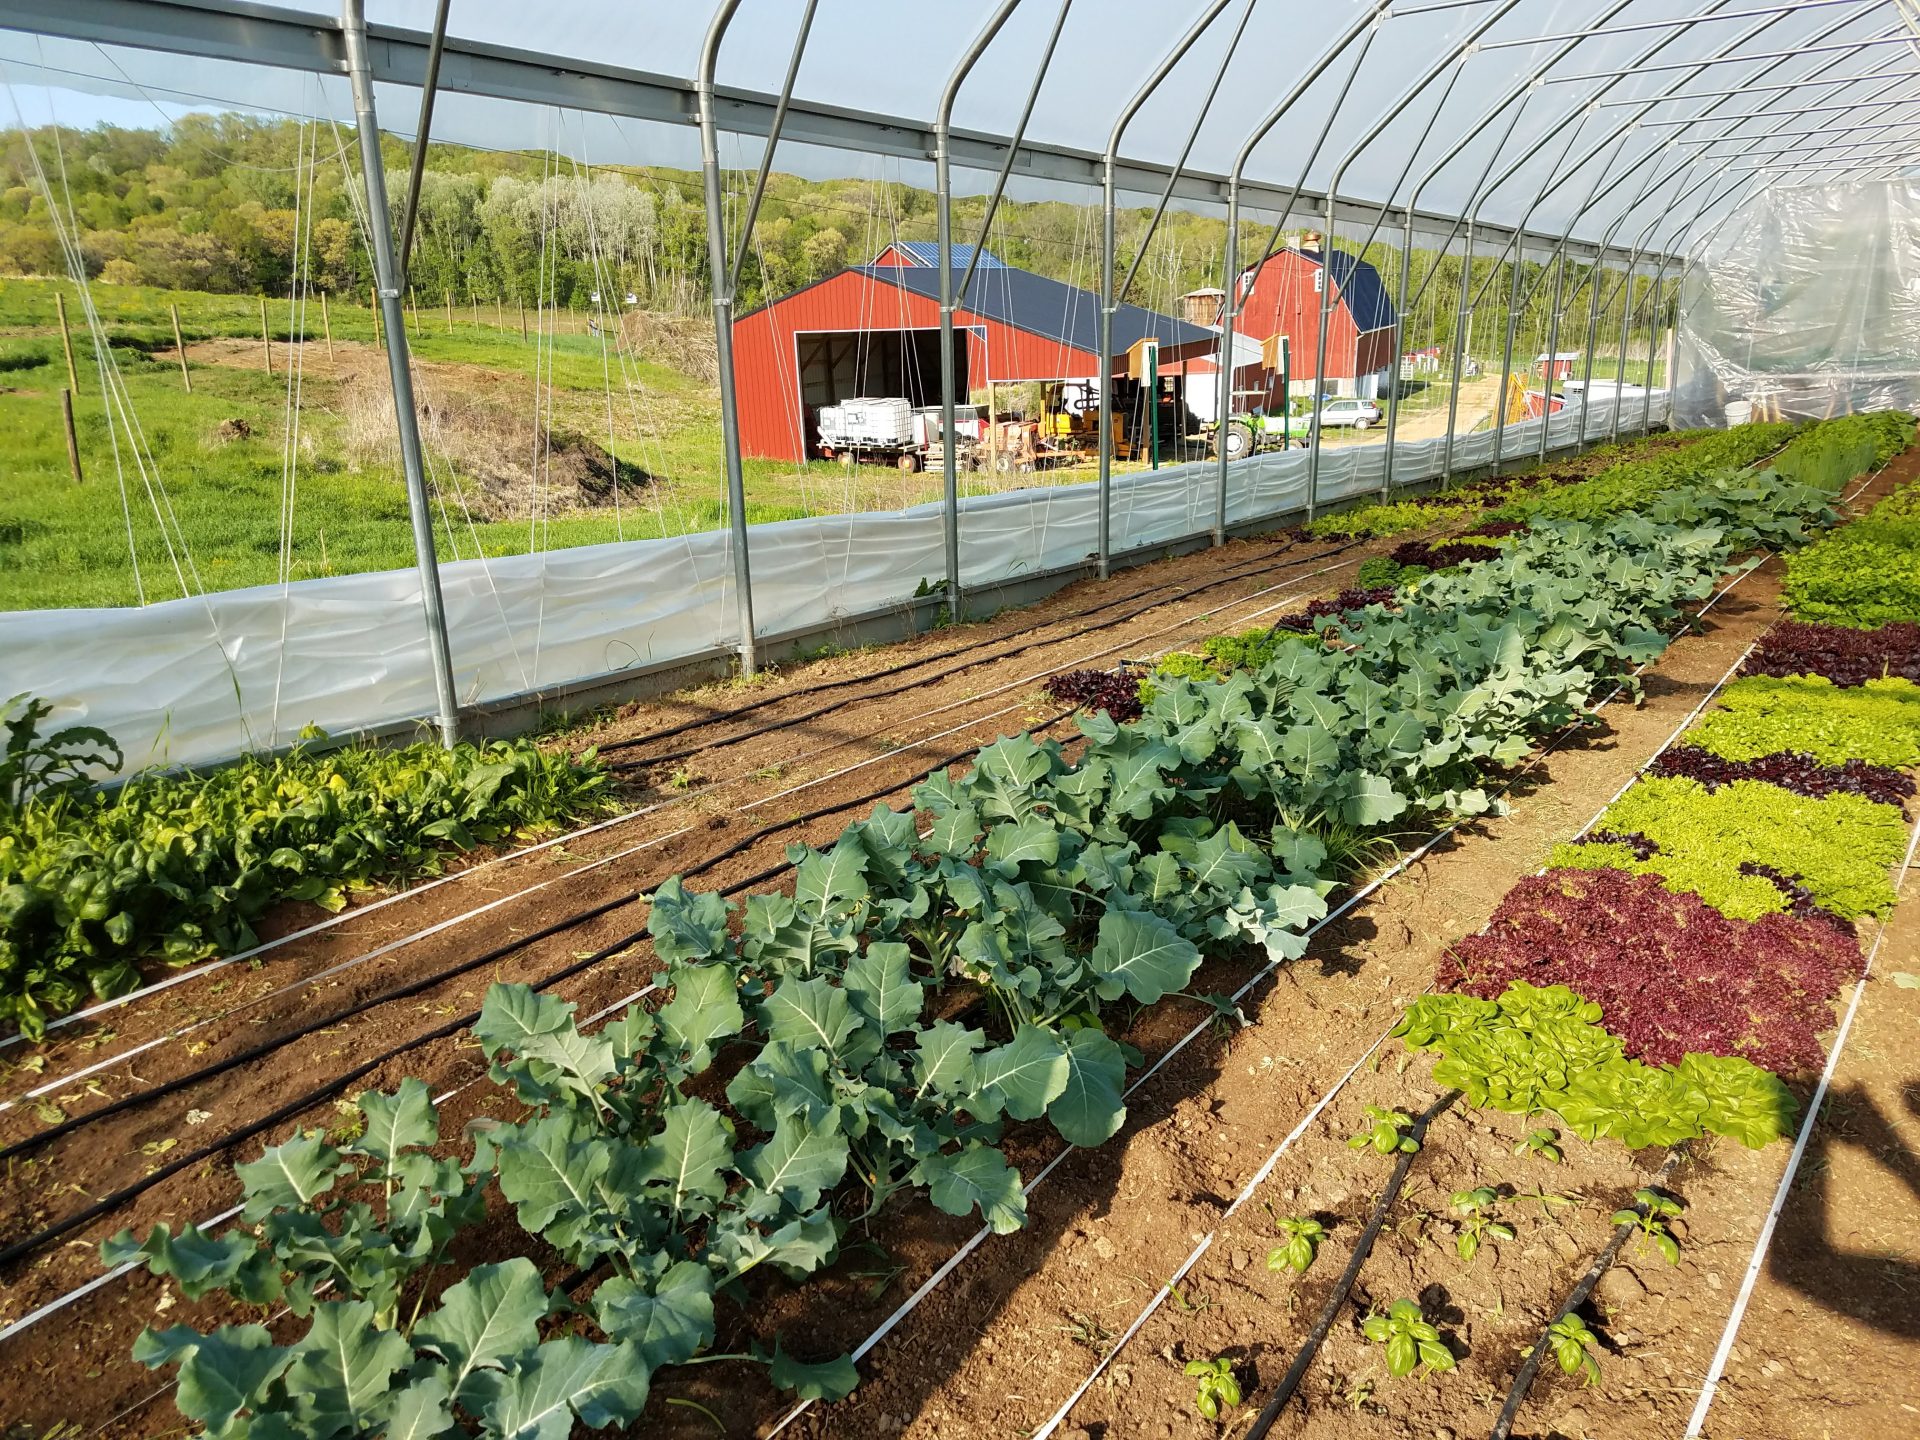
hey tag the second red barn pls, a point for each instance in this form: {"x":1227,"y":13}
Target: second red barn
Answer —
{"x":1283,"y":297}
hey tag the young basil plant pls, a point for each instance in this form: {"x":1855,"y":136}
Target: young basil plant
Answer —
{"x":1303,"y":1237}
{"x":1477,"y":1223}
{"x":1650,"y":1213}
{"x":1544,"y":1142}
{"x":1217,"y":1389}
{"x":1409,"y":1339}
{"x":1573,"y":1346}
{"x":1385,"y":1131}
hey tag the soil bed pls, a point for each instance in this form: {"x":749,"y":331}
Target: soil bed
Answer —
{"x":1162,"y":1179}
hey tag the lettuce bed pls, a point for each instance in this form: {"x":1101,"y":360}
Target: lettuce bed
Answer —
{"x":1867,"y":574}
{"x":1878,"y":722}
{"x":1845,"y":656}
{"x":1670,"y":973}
{"x":1840,"y":847}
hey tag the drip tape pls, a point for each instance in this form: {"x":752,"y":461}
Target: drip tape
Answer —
{"x":1362,"y":1248}
{"x":1523,"y":1381}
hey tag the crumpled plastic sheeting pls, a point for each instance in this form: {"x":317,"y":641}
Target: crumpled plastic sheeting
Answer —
{"x":193,"y":682}
{"x":1806,"y":306}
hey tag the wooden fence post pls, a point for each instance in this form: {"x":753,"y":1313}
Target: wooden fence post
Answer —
{"x":523,"y":322}
{"x":66,"y":341}
{"x":326,"y":324}
{"x":449,"y":312}
{"x":73,"y":440}
{"x":180,"y":348}
{"x":266,"y":341}
{"x":413,"y":304}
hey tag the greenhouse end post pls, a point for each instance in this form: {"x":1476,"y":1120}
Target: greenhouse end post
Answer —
{"x":1506,"y":358}
{"x":718,"y":267}
{"x":353,"y":24}
{"x":1627,"y":307}
{"x":1104,"y":482}
{"x":1553,"y":349}
{"x":952,"y":297}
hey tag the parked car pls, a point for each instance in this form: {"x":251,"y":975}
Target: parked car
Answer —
{"x":1357,"y":413}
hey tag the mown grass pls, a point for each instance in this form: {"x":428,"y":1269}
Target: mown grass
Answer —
{"x":68,"y":545}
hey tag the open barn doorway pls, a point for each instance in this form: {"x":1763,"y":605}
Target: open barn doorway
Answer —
{"x":836,"y":365}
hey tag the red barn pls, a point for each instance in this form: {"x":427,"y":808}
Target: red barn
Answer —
{"x":1283,"y":297}
{"x":875,"y":330}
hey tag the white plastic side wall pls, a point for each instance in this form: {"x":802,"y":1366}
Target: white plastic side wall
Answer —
{"x":1806,"y":306}
{"x":197,"y":681}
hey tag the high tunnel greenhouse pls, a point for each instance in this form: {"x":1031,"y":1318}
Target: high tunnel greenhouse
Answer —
{"x":844,"y":718}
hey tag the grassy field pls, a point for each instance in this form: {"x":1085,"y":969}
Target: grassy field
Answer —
{"x":215,"y":488}
{"x":518,"y":433}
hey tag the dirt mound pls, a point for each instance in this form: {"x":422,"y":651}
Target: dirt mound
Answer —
{"x":505,"y":463}
{"x":680,"y":342}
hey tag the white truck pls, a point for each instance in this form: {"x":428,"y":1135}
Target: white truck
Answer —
{"x":877,"y":430}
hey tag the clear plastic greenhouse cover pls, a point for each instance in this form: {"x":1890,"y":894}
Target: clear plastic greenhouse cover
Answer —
{"x":198,"y":680}
{"x":1566,"y":110}
{"x":1806,"y":305}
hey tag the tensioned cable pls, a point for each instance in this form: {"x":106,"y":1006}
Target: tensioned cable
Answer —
{"x":303,"y":206}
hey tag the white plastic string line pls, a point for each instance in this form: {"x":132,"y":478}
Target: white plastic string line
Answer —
{"x":59,"y":1303}
{"x":953,"y":1262}
{"x":107,"y":1277}
{"x":1717,"y":1369}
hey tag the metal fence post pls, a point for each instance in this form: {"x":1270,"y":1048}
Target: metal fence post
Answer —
{"x":1506,"y":359}
{"x":353,"y":21}
{"x":943,"y":204}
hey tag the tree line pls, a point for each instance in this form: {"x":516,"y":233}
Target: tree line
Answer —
{"x":236,"y":204}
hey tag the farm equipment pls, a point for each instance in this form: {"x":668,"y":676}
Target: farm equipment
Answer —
{"x":886,"y":431}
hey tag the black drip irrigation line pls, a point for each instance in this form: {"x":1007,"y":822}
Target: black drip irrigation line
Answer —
{"x":787,"y":722}
{"x":1523,"y":1382}
{"x":821,"y":686}
{"x":301,"y":1103}
{"x":1363,"y":1247}
{"x":266,"y":1047}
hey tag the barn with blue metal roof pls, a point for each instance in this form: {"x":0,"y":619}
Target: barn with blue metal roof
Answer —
{"x":874,"y":330}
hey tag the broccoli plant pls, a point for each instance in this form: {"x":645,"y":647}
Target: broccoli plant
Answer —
{"x":1477,"y":1224}
{"x":1649,"y":1215}
{"x":1217,"y":1389}
{"x":1409,"y":1339}
{"x":1385,"y":1131}
{"x":1573,"y":1346}
{"x":1302,"y":1243}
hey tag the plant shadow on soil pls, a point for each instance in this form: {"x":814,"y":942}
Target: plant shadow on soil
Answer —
{"x":1873,"y":1288}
